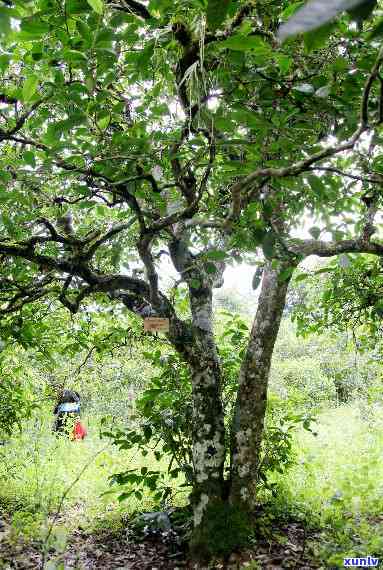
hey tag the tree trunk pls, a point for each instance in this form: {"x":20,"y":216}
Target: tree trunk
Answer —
{"x":248,"y":423}
{"x":217,"y":528}
{"x":208,"y":425}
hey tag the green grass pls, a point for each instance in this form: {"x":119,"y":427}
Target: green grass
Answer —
{"x":36,"y":469}
{"x":338,"y":482}
{"x":336,"y":485}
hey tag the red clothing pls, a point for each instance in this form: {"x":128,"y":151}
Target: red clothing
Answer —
{"x":79,"y":431}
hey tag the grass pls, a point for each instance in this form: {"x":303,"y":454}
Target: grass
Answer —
{"x":336,"y":485}
{"x":338,"y":482}
{"x":37,"y":468}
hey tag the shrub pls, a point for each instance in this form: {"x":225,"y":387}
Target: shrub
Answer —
{"x":165,"y":409}
{"x":301,"y":383}
{"x":16,"y":403}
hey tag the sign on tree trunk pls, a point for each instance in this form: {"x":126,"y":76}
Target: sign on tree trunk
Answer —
{"x":156,"y":324}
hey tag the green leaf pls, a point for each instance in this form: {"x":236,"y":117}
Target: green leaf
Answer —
{"x":324,"y":270}
{"x":84,"y":31}
{"x":216,"y":255}
{"x":316,"y":184}
{"x":216,"y":12}
{"x":210,"y":268}
{"x":195,"y":283}
{"x":245,"y":43}
{"x":377,"y":30}
{"x":97,"y":5}
{"x":124,"y":496}
{"x":285,"y":274}
{"x":290,"y":10}
{"x":316,"y":39}
{"x":4,"y":62}
{"x":74,"y":55}
{"x":30,"y":87}
{"x":101,"y":210}
{"x":284,"y":62}
{"x":148,"y":432}
{"x":103,"y":123}
{"x":29,"y":158}
{"x":76,"y":6}
{"x":33,"y":27}
{"x":5,"y":21}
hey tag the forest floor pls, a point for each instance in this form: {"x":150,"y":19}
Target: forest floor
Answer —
{"x":288,"y":546}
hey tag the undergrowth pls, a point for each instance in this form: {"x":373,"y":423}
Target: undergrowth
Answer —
{"x":39,"y":468}
{"x":337,"y":483}
{"x":336,"y":486}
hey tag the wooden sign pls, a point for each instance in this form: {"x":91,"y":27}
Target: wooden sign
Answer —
{"x":156,"y":324}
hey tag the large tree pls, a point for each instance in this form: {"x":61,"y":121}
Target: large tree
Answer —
{"x":183,"y":128}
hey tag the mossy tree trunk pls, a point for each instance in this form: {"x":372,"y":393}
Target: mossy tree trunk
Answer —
{"x":208,"y":435}
{"x":208,"y":421}
{"x":219,"y":504}
{"x":248,"y":423}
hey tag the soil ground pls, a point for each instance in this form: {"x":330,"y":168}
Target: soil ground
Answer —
{"x":109,"y":549}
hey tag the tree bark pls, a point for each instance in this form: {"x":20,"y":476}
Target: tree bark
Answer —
{"x":248,"y":422}
{"x":208,"y":424}
{"x":208,"y":433}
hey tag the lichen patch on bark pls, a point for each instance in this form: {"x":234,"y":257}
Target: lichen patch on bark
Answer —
{"x":200,"y":508}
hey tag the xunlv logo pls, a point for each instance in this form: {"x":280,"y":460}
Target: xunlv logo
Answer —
{"x":366,"y":561}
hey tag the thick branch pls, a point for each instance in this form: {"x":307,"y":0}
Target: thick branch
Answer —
{"x":328,"y":249}
{"x":73,"y":306}
{"x":144,"y":248}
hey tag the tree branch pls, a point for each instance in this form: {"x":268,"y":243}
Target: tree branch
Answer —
{"x":131,"y":7}
{"x":73,"y":306}
{"x":23,"y":118}
{"x":305,"y":164}
{"x":375,"y":179}
{"x":26,"y":293}
{"x":328,"y":249}
{"x":111,"y":233}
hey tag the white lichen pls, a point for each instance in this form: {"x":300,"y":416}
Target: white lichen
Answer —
{"x":199,"y":509}
{"x":202,"y":318}
{"x":243,"y":470}
{"x":244,"y":445}
{"x":205,"y":462}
